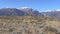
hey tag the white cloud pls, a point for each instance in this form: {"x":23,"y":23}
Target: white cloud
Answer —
{"x":58,"y":10}
{"x":7,"y":7}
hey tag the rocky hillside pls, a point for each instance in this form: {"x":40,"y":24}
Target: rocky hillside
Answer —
{"x":28,"y":12}
{"x":19,"y":12}
{"x":52,"y":13}
{"x":29,"y":25}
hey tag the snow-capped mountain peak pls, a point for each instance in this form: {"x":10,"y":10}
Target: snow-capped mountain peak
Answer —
{"x":24,"y":7}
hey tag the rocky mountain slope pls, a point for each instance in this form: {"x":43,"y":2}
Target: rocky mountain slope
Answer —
{"x":52,"y":13}
{"x":19,"y":12}
{"x":28,"y":12}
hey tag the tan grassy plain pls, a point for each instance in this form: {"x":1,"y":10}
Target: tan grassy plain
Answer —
{"x":28,"y":25}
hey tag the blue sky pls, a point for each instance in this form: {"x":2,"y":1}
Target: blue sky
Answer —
{"x":40,"y":5}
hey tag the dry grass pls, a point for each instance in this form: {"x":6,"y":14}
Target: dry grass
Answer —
{"x":28,"y":25}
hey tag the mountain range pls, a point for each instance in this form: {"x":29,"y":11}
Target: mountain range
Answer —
{"x":28,"y":11}
{"x":18,"y":12}
{"x":52,"y":13}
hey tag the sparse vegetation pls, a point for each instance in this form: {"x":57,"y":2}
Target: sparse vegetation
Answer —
{"x":28,"y":25}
